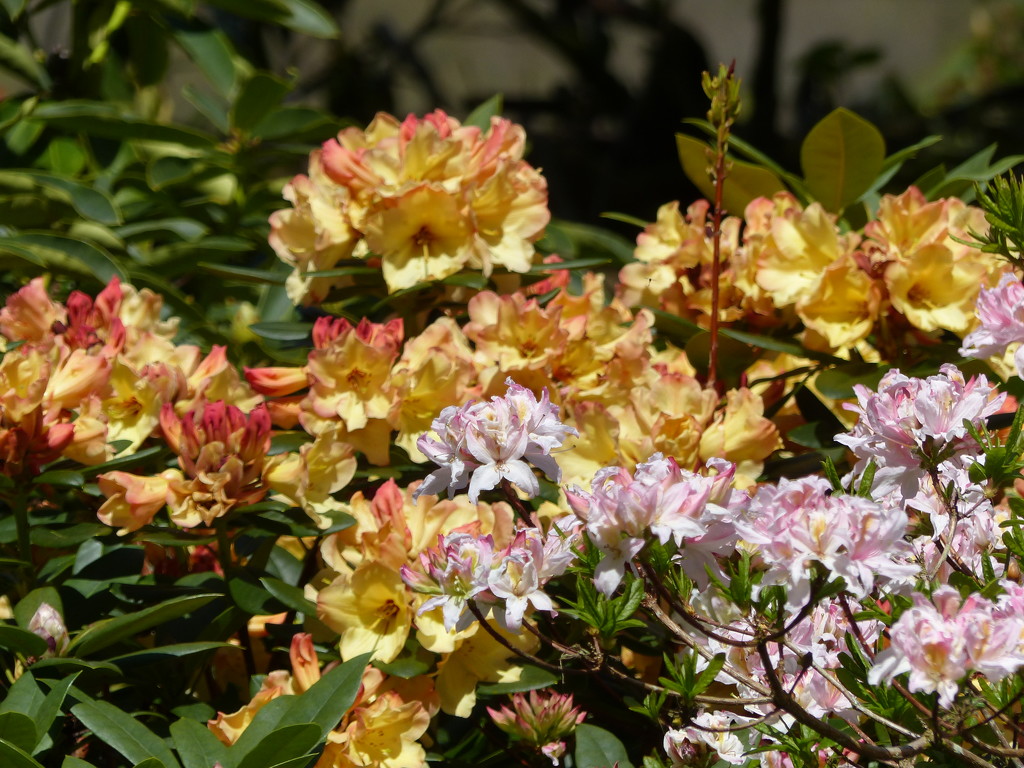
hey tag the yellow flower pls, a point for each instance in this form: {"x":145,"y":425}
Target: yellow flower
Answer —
{"x":370,"y":609}
{"x":310,"y":477}
{"x":802,"y":245}
{"x":843,"y":305}
{"x":933,"y":290}
{"x":479,"y":658}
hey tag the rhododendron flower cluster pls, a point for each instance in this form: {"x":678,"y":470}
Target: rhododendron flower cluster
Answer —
{"x":542,"y":720}
{"x":910,"y":267}
{"x":800,"y":522}
{"x":482,"y":444}
{"x":911,"y":426}
{"x":466,"y":568}
{"x":663,"y":500}
{"x":1000,"y":313}
{"x":425,"y":197}
{"x":942,"y":640}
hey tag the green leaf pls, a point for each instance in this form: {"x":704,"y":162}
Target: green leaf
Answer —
{"x":590,"y":241}
{"x":543,"y":269}
{"x":123,"y":732}
{"x":23,"y":696}
{"x":283,"y":331}
{"x":260,"y":94}
{"x":68,"y":254}
{"x":840,"y":158}
{"x":109,"y":631}
{"x":212,"y":52}
{"x":19,"y":730}
{"x":212,"y":107}
{"x":123,"y":462}
{"x":107,"y":121}
{"x":197,"y":746}
{"x":837,"y":383}
{"x":76,"y":762}
{"x":188,"y":230}
{"x":598,"y":748}
{"x":330,"y":697}
{"x":295,"y":124}
{"x":21,"y":641}
{"x":292,"y":597}
{"x":164,"y":652}
{"x":150,"y":762}
{"x":251,"y":597}
{"x":530,"y":679}
{"x":20,"y":61}
{"x":283,"y":745}
{"x":13,"y":757}
{"x":63,"y":478}
{"x":51,"y":705}
{"x":165,"y":171}
{"x":301,"y":15}
{"x":88,"y":202}
{"x":481,"y":116}
{"x":744,"y":182}
{"x":242,"y":274}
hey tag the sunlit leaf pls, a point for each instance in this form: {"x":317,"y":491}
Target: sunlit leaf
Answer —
{"x":840,"y":158}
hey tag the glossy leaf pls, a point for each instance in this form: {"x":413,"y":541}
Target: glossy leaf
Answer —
{"x":840,"y":158}
{"x":285,"y":743}
{"x":326,"y":702}
{"x":197,"y":746}
{"x":212,"y":52}
{"x":13,"y":757}
{"x":530,"y":679}
{"x":292,"y":597}
{"x":109,"y":631}
{"x":21,"y":641}
{"x":18,"y":729}
{"x":598,"y":748}
{"x":242,"y":274}
{"x":260,"y":94}
{"x":88,"y":202}
{"x":26,"y":608}
{"x":283,"y":331}
{"x":120,"y":730}
{"x":52,"y":704}
{"x":744,"y":182}
{"x":105,"y":120}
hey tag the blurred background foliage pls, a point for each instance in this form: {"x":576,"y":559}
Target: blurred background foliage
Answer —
{"x":150,"y":138}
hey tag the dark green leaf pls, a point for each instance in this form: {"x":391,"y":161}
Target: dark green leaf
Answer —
{"x":598,"y":748}
{"x":64,"y":478}
{"x":23,"y":696}
{"x":123,"y":732}
{"x":51,"y":706}
{"x":88,"y":202}
{"x":123,"y":462}
{"x":197,"y":746}
{"x":105,"y":120}
{"x":69,"y":254}
{"x":301,"y":15}
{"x":530,"y":679}
{"x":542,"y":269}
{"x":109,"y":631}
{"x":19,"y":730}
{"x":164,"y":652}
{"x":13,"y":7}
{"x":588,"y":241}
{"x":295,"y":124}
{"x":330,"y":697}
{"x":242,"y":274}
{"x":252,"y":598}
{"x":21,"y":641}
{"x":744,"y":182}
{"x":188,"y":230}
{"x":292,"y":597}
{"x":285,"y":442}
{"x":837,"y":383}
{"x":481,"y":116}
{"x":150,"y":762}
{"x":209,"y":106}
{"x":260,"y":94}
{"x":211,"y":50}
{"x":840,"y":158}
{"x":282,"y":745}
{"x":12,"y":757}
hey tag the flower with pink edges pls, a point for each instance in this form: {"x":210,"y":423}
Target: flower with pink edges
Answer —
{"x":1000,"y":311}
{"x":941,"y":640}
{"x":659,"y":499}
{"x":800,"y":522}
{"x":483,"y":443}
{"x":541,"y":719}
{"x":910,"y":424}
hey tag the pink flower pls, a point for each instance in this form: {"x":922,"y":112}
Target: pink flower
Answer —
{"x":911,"y":424}
{"x":799,"y":522}
{"x":940,"y":641}
{"x":1001,"y":312}
{"x":481,"y":444}
{"x":661,"y":500}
